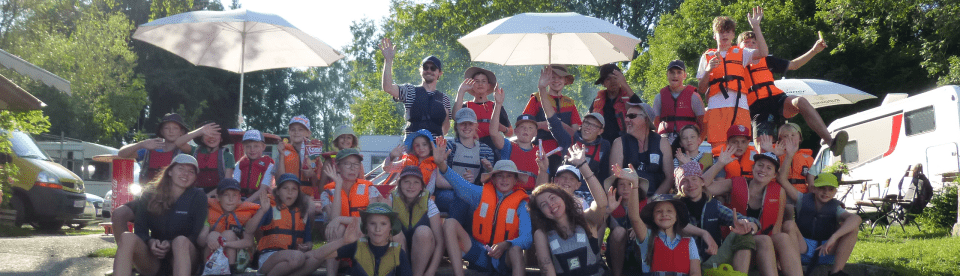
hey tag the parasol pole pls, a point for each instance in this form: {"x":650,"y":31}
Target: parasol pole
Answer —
{"x":243,"y":49}
{"x":549,"y":49}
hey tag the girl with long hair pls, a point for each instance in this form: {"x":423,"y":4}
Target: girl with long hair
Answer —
{"x":286,"y":229}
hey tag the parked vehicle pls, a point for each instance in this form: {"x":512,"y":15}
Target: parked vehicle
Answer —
{"x":901,"y":132}
{"x":45,"y":193}
{"x":77,"y":156}
{"x":92,"y":212}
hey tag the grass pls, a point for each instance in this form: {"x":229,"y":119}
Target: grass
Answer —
{"x":910,"y":252}
{"x":7,"y":231}
{"x":103,"y":253}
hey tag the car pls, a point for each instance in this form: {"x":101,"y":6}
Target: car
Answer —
{"x":92,"y":212}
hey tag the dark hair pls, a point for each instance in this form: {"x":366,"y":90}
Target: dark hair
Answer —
{"x":404,"y":197}
{"x":616,"y":195}
{"x":352,"y":138}
{"x":572,"y":210}
{"x":655,"y":231}
{"x":301,"y":203}
{"x":159,"y":191}
{"x":724,"y":24}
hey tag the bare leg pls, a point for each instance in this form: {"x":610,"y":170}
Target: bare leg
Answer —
{"x":842,"y":252}
{"x":422,"y":249}
{"x":120,"y":217}
{"x":458,"y":241}
{"x":741,"y":261}
{"x":765,"y":258}
{"x":790,"y":228}
{"x":184,"y":256}
{"x":310,"y":264}
{"x":515,"y":260}
{"x":787,"y":254}
{"x":401,"y":240}
{"x":333,"y":232}
{"x":229,"y":236}
{"x":134,"y":252}
{"x":617,"y":244}
{"x":283,"y":263}
{"x":794,"y":105}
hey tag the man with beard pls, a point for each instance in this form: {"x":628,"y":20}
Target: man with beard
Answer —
{"x":424,"y":106}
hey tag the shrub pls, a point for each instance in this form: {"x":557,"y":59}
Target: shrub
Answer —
{"x":943,"y":210}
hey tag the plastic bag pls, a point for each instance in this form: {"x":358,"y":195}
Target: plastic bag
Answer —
{"x":217,"y":262}
{"x":722,"y":270}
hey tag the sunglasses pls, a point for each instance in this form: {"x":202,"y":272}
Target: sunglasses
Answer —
{"x":430,"y":68}
{"x":633,"y":115}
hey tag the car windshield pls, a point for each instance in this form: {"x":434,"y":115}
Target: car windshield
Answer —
{"x":24,"y":146}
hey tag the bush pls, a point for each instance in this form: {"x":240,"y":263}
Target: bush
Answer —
{"x":943,"y":210}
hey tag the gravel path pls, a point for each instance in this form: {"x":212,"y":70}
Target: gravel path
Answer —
{"x":54,"y":255}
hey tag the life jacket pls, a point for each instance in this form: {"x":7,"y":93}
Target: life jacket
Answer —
{"x":354,"y":201}
{"x":760,"y":82}
{"x":484,"y":111}
{"x":726,"y":105}
{"x":815,"y":224}
{"x":677,"y":113}
{"x":369,"y":265}
{"x":427,"y":112}
{"x":577,"y":255}
{"x":743,"y":166}
{"x":463,"y":159}
{"x":294,"y":163}
{"x":252,"y":173}
{"x":557,"y":102}
{"x":649,"y":164}
{"x":770,"y":210}
{"x":730,"y":76}
{"x":594,"y":152}
{"x":671,"y":260}
{"x":799,"y":168}
{"x":619,"y":106}
{"x":619,"y":215}
{"x":526,"y":162}
{"x":285,"y":231}
{"x":410,"y":218}
{"x":155,"y":162}
{"x":710,"y":222}
{"x":211,"y":167}
{"x":427,"y":166}
{"x":238,"y":217}
{"x":496,"y":221}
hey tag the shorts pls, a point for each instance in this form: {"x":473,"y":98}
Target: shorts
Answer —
{"x":480,"y":261}
{"x":263,"y":258}
{"x":729,"y":247}
{"x":807,"y":258}
{"x":767,"y":115}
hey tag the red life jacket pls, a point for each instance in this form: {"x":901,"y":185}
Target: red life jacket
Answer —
{"x":671,"y":260}
{"x":761,"y":82}
{"x":677,"y":113}
{"x":526,"y":162}
{"x":484,"y":111}
{"x":494,"y":221}
{"x":211,"y":169}
{"x":156,"y":161}
{"x":252,"y":173}
{"x":770,"y":210}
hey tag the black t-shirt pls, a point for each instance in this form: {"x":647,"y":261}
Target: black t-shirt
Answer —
{"x":777,"y":65}
{"x":611,"y":128}
{"x":695,"y":208}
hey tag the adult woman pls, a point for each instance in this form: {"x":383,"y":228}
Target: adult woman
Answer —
{"x":643,"y":148}
{"x":169,"y":218}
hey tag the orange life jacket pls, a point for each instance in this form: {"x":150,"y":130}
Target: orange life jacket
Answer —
{"x":220,"y":221}
{"x":726,"y":105}
{"x":770,"y":212}
{"x":743,"y":166}
{"x":283,"y":232}
{"x":494,"y":221}
{"x":427,"y":166}
{"x":761,"y":82}
{"x":354,"y":201}
{"x":802,"y":161}
{"x":294,"y":163}
{"x":252,"y":173}
{"x":728,"y":78}
{"x":676,"y":113}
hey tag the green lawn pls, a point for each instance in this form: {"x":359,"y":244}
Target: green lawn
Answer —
{"x":928,"y":252}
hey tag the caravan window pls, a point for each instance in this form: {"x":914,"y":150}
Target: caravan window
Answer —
{"x":919,"y":121}
{"x":850,"y":153}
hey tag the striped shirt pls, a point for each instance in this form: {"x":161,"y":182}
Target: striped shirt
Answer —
{"x":408,"y":94}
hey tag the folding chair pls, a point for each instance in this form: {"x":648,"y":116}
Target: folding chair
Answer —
{"x":866,"y":209}
{"x":901,"y":208}
{"x":887,"y":205}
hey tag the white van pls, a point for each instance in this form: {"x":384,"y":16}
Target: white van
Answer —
{"x":901,"y":132}
{"x":77,"y":156}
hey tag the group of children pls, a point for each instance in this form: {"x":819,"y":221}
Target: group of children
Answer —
{"x":551,"y":191}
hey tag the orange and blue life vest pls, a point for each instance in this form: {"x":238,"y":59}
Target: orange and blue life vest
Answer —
{"x":494,"y":220}
{"x":287,"y":230}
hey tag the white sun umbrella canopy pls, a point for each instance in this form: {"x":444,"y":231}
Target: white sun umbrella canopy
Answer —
{"x":239,"y":41}
{"x":821,"y":93}
{"x":550,"y":38}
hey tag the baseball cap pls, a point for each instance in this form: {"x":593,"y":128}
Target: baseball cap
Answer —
{"x":677,"y":64}
{"x":433,"y":59}
{"x":738,"y":130}
{"x":598,"y":117}
{"x":605,"y":71}
{"x":526,"y":117}
{"x":302,"y":120}
{"x":569,"y":168}
{"x":344,"y":153}
{"x":288,"y":177}
{"x":252,"y":135}
{"x":826,"y":180}
{"x":227,"y":184}
{"x":411,"y":171}
{"x":466,"y":115}
{"x":770,"y":157}
{"x":184,"y":159}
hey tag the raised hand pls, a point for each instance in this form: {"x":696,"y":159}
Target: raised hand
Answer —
{"x":386,"y":47}
{"x":726,"y":156}
{"x":498,"y":95}
{"x":546,"y":76}
{"x":789,"y":146}
{"x":153,"y":144}
{"x":614,"y":202}
{"x":755,"y":17}
{"x":713,"y":64}
{"x":331,"y":172}
{"x":211,"y":129}
{"x":682,"y":157}
{"x":821,"y":44}
{"x":398,"y":151}
{"x":628,"y":174}
{"x":352,"y":233}
{"x":487,"y":166}
{"x":466,"y":85}
{"x":440,"y":151}
{"x":766,"y":142}
{"x":576,"y":155}
{"x":542,"y":163}
{"x":264,"y":196}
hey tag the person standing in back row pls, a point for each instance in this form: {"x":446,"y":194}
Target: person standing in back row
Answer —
{"x":611,"y":102}
{"x":424,"y":106}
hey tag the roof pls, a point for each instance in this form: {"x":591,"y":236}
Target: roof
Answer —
{"x":12,"y":97}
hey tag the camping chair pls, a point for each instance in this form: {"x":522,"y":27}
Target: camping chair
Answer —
{"x":907,"y":197}
{"x":889,"y":211}
{"x":864,"y":208}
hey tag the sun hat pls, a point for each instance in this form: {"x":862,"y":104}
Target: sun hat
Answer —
{"x":826,"y":180}
{"x":224,"y":135}
{"x":605,"y":71}
{"x":252,"y":135}
{"x":379,"y":208}
{"x":300,"y":119}
{"x":646,"y":213}
{"x":171,"y":117}
{"x":408,"y":141}
{"x":472,"y":71}
{"x":561,"y":70}
{"x":507,"y":166}
{"x":344,"y":153}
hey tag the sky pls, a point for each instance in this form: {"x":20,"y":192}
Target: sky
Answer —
{"x":327,"y":20}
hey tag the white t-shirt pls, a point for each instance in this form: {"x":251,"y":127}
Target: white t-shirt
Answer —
{"x":747,"y":60}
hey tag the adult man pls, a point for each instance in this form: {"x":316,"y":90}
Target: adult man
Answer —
{"x":424,"y":106}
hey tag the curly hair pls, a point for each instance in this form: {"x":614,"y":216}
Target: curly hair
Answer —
{"x":572,"y":210}
{"x":724,"y":24}
{"x":159,"y":192}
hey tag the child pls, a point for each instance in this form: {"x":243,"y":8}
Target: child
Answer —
{"x":286,"y":230}
{"x":295,"y":156}
{"x":254,"y":169}
{"x":551,"y":83}
{"x":346,"y":195}
{"x":657,"y":227}
{"x":373,"y":254}
{"x":611,"y":102}
{"x":226,"y":217}
{"x":501,"y":223}
{"x":769,"y":106}
{"x":621,"y":253}
{"x":419,"y":221}
{"x":799,"y":174}
{"x":419,"y":147}
{"x":345,"y":138}
{"x":522,"y":152}
{"x":689,"y":148}
{"x":587,"y":137}
{"x":480,"y":83}
{"x":466,"y":152}
{"x":682,"y":108}
{"x":570,"y":178}
{"x":722,"y":74}
{"x":825,"y":232}
{"x":738,"y":141}
{"x":216,"y":161}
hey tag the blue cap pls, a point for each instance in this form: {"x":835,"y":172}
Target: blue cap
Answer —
{"x":228,"y":184}
{"x":288,"y":177}
{"x":433,"y":59}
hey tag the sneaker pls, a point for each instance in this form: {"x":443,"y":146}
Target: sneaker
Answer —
{"x":839,"y":142}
